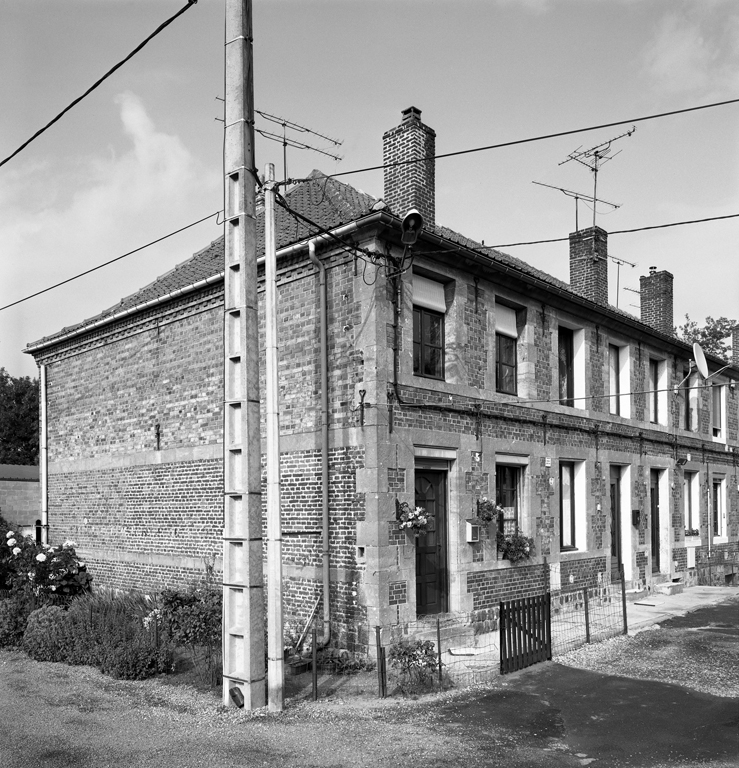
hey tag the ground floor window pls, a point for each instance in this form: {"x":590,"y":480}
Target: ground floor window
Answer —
{"x":718,"y":505}
{"x":507,"y":489}
{"x":690,"y":503}
{"x":567,"y":505}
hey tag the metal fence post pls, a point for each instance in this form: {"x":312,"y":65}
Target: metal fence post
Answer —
{"x":378,"y":644}
{"x":314,"y":640}
{"x":438,"y":650}
{"x":623,"y":597}
{"x":587,"y":615}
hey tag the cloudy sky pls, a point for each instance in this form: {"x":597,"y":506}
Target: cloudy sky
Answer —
{"x":141,"y":156}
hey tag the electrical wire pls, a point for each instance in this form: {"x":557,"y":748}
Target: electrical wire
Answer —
{"x":106,"y":263}
{"x":618,"y":231}
{"x":372,"y":256}
{"x":66,"y":109}
{"x":534,"y":138}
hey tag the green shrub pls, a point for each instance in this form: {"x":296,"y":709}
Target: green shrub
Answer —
{"x":46,"y":637}
{"x":192,"y":619}
{"x":415,"y":662}
{"x":136,"y":659}
{"x":14,"y":612}
{"x":52,"y":574}
{"x":339,"y":661}
{"x":110,"y":631}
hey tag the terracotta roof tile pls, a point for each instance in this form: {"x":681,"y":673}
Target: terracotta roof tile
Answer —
{"x":328,"y":202}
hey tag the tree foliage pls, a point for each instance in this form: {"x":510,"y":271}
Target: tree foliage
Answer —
{"x":19,"y":406}
{"x":711,"y":336}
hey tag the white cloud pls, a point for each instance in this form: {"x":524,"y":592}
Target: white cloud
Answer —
{"x":696,"y":50}
{"x":55,"y":223}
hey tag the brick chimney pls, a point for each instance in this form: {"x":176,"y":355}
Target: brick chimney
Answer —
{"x":656,"y":300}
{"x":589,"y":264}
{"x":735,"y":346}
{"x":411,"y":185}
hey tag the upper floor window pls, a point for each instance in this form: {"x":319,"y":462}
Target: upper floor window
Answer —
{"x":614,"y":378}
{"x":429,"y":308}
{"x":566,"y":353}
{"x":657,"y":391}
{"x":654,"y":391}
{"x":717,"y":411}
{"x":506,"y":350}
{"x":692,"y":400}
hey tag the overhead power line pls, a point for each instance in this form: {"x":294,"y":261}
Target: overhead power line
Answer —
{"x":360,"y":252}
{"x":537,"y":138}
{"x":106,"y":263}
{"x":66,"y":109}
{"x":619,"y":231}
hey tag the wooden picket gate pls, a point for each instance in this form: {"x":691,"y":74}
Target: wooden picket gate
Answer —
{"x":525,"y":632}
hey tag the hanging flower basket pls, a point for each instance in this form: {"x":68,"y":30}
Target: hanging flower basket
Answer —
{"x":516,"y":547}
{"x":487,"y":510}
{"x":415,"y":520}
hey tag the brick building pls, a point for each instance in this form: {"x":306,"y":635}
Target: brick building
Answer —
{"x":454,"y":372}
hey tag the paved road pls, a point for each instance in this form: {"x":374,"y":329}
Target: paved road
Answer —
{"x":604,"y":720}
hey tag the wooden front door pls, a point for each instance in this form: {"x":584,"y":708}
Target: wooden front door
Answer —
{"x":431,"y":556}
{"x":654,"y":517}
{"x":616,"y":559}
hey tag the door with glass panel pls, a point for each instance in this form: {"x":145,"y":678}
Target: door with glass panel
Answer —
{"x":431,"y":566}
{"x":616,"y":556}
{"x":654,"y":517}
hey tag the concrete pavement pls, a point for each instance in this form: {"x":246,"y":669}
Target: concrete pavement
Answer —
{"x":645,"y":611}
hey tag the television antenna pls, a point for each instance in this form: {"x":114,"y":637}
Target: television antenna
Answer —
{"x":619,"y":263}
{"x":288,"y":141}
{"x":578,"y":196}
{"x":594,"y":158}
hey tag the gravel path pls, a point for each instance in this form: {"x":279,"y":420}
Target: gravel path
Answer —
{"x":704,"y":658}
{"x":75,"y":717}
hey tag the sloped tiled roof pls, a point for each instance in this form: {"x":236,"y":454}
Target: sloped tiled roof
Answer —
{"x":500,"y":256}
{"x":325,"y":201}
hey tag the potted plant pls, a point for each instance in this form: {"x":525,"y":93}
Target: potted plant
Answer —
{"x":415,"y":520}
{"x":488,"y":511}
{"x":515,"y":546}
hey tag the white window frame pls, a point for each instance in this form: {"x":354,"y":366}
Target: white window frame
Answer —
{"x":660,"y":396}
{"x":693,"y":394}
{"x":718,"y":432}
{"x":621,"y":404}
{"x":506,"y":324}
{"x":719,"y":533}
{"x":578,"y":364}
{"x":691,"y":501}
{"x":578,"y":491}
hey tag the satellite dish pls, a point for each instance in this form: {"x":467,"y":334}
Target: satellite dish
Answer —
{"x":700,"y":360}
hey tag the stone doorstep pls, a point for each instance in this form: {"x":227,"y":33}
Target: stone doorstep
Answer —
{"x":485,"y":642}
{"x":669,"y":587}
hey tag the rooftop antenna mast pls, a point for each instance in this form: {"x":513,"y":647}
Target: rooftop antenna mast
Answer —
{"x":619,"y":263}
{"x":578,"y":196}
{"x":594,"y":158}
{"x":290,"y":142}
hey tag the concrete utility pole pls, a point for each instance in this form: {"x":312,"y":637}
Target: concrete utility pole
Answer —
{"x":275,"y":649}
{"x":243,"y":599}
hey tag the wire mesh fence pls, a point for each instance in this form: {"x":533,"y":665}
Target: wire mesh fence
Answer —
{"x":438,"y":652}
{"x":465,"y":652}
{"x":586,"y":615}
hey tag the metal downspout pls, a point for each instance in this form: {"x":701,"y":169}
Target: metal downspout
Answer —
{"x":324,"y":443}
{"x":43,"y":458}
